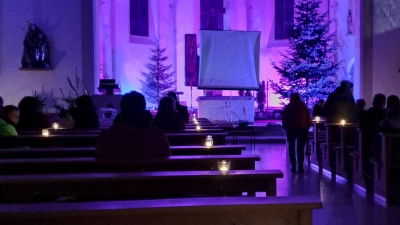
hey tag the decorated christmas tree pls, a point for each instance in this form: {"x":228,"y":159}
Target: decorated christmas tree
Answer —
{"x":159,"y":79}
{"x":308,"y":67}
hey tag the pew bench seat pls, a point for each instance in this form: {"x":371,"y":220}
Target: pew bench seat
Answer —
{"x":91,"y":165}
{"x":139,"y":185}
{"x":20,"y":153}
{"x":286,"y":210}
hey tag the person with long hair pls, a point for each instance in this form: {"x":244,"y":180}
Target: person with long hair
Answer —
{"x":167,"y":118}
{"x":182,"y":110}
{"x":131,"y":136}
{"x":296,"y":120}
{"x":8,"y":120}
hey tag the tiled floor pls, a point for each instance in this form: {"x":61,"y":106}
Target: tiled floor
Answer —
{"x":342,"y":205}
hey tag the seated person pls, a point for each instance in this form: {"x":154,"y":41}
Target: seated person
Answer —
{"x":393,"y":104}
{"x":376,"y":113}
{"x":131,"y":137}
{"x":8,"y":120}
{"x":31,"y":116}
{"x":182,"y":110}
{"x":85,"y":116}
{"x":362,"y":113}
{"x":167,"y":118}
{"x":318,"y":108}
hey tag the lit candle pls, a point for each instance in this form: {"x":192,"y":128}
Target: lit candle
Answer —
{"x":317,"y":119}
{"x":198,"y":127}
{"x":196,"y":122}
{"x":224,"y":166}
{"x":45,"y":132}
{"x":209,"y":141}
{"x":55,"y":126}
{"x":343,"y":122}
{"x":194,"y":115}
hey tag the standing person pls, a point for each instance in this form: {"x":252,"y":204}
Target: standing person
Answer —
{"x":341,"y":105}
{"x":8,"y":120}
{"x":296,"y":120}
{"x":182,"y":110}
{"x":318,"y":108}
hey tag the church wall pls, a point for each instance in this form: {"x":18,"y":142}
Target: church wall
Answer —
{"x":63,"y":24}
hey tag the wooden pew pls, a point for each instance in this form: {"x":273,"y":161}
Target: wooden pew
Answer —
{"x":89,"y":140}
{"x":387,"y":168}
{"x":139,"y":185}
{"x":91,"y":165}
{"x":287,"y":210}
{"x":24,"y":153}
{"x":189,"y":129}
{"x":362,"y":174}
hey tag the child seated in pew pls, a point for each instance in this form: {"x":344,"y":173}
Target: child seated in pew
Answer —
{"x":131,"y":137}
{"x":181,"y":109}
{"x":167,"y":118}
{"x":8,"y":120}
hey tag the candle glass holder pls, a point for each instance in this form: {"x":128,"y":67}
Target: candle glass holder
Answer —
{"x":209,"y":141}
{"x":317,"y":119}
{"x":343,"y":122}
{"x":198,"y":128}
{"x":55,"y":126}
{"x":224,"y":166}
{"x":45,"y":132}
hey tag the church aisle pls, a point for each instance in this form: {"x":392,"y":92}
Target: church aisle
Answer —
{"x":341,"y":203}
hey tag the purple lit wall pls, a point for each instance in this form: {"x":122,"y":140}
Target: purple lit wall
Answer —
{"x":123,"y":56}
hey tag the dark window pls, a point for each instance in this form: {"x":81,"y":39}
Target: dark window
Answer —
{"x":139,"y":17}
{"x":212,"y":14}
{"x":284,"y":13}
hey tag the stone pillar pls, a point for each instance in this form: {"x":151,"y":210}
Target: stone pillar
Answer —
{"x":249,"y":15}
{"x":172,"y":36}
{"x":105,"y":42}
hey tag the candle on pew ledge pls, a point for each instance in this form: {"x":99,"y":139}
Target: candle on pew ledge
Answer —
{"x":45,"y":132}
{"x":198,"y":128}
{"x":209,"y":141}
{"x":317,"y":119}
{"x":55,"y":126}
{"x":224,"y":166}
{"x":343,"y":122}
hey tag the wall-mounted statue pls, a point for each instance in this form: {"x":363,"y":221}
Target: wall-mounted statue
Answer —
{"x":36,"y":49}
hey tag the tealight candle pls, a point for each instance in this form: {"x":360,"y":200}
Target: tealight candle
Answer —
{"x":45,"y":132}
{"x":224,"y":166}
{"x":198,"y":127}
{"x":209,"y":141}
{"x":55,"y":126}
{"x":343,"y":122}
{"x":317,"y":119}
{"x":196,"y":122}
{"x":194,"y":115}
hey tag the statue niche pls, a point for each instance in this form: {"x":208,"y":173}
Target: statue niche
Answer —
{"x":36,"y":49}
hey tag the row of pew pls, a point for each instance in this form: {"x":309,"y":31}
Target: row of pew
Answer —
{"x":367,"y":159}
{"x":56,"y":179}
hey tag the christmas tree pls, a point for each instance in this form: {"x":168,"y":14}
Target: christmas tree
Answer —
{"x":308,"y":67}
{"x":159,"y":79}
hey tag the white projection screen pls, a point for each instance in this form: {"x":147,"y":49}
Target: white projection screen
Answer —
{"x":229,"y":60}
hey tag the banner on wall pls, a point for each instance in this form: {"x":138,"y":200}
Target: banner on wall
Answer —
{"x":191,"y":61}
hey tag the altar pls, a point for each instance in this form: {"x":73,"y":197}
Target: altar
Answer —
{"x":226,"y":109}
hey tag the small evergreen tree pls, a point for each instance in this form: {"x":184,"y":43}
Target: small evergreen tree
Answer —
{"x":308,"y":66}
{"x":159,"y":80}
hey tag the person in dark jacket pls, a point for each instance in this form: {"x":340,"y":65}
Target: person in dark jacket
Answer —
{"x":182,"y":110}
{"x":31,"y":116}
{"x":377,"y":113}
{"x":393,"y":104}
{"x":132,"y":136}
{"x":296,"y":120}
{"x":318,"y":108}
{"x":340,"y":104}
{"x":361,"y":112}
{"x":167,"y":118}
{"x":85,"y":115}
